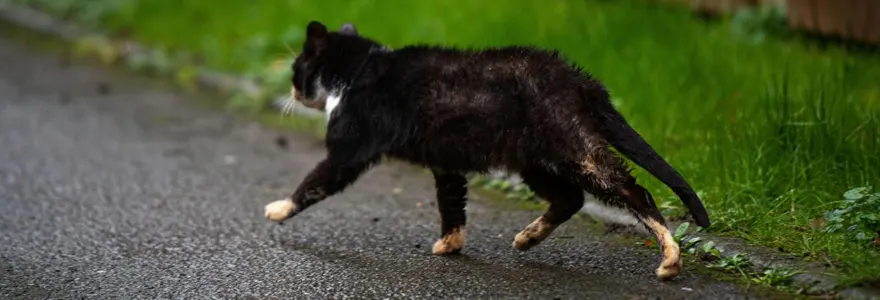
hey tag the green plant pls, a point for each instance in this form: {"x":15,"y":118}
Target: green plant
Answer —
{"x":509,"y":190}
{"x":689,"y":245}
{"x":758,"y":24}
{"x":511,"y":195}
{"x":679,"y":235}
{"x":741,"y":264}
{"x":709,"y":248}
{"x":522,"y":193}
{"x":670,"y":206}
{"x":775,"y":277}
{"x":738,"y":262}
{"x":680,"y":231}
{"x":858,"y":215}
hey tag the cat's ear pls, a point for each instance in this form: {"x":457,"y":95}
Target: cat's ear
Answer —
{"x":348,"y":29}
{"x":316,"y":30}
{"x":316,"y":36}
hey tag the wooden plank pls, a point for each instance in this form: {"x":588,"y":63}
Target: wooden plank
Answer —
{"x":832,"y":16}
{"x":873,"y":22}
{"x":719,"y":7}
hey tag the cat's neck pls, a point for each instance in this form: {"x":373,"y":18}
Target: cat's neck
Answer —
{"x":371,"y":55}
{"x":359,"y":70}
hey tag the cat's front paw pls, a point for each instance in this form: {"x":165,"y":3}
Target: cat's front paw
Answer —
{"x":450,"y":243}
{"x":280,"y":210}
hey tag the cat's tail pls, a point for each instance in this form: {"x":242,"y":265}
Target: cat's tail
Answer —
{"x":617,"y":131}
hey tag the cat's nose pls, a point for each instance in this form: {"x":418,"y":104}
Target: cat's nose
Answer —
{"x":296,"y":94}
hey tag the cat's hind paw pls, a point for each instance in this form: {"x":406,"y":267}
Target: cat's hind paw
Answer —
{"x":280,"y":210}
{"x":533,"y":234}
{"x":668,"y":270}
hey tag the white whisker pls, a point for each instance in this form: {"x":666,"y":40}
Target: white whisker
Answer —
{"x":290,"y":49}
{"x":287,"y":106}
{"x":284,"y":105}
{"x":279,"y":103}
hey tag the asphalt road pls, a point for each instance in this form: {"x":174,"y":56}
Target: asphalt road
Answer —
{"x":112,"y":187}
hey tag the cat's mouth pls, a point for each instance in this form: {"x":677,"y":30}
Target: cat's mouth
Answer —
{"x":317,"y":103}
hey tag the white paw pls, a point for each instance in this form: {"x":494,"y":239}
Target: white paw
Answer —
{"x":280,"y":210}
{"x":669,"y":269}
{"x":450,"y":244}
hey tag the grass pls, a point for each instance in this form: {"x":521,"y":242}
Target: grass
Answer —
{"x":770,"y":132}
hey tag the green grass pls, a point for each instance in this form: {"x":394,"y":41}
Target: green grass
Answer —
{"x":771,"y":133}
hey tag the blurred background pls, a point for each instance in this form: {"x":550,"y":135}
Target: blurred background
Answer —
{"x":768,"y":108}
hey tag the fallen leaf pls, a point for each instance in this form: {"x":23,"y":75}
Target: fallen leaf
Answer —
{"x":818,"y":222}
{"x":419,"y":204}
{"x":396,"y":191}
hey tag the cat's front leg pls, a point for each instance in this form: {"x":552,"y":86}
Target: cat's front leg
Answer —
{"x":451,"y":200}
{"x":326,"y":179}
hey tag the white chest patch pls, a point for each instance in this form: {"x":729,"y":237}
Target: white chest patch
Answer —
{"x":330,"y":105}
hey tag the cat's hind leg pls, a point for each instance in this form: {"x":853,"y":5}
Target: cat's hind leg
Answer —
{"x":639,"y":201}
{"x":606,"y":177}
{"x":451,"y":201}
{"x":565,"y":200}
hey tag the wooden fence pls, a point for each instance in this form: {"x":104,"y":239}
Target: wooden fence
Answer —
{"x":852,"y":19}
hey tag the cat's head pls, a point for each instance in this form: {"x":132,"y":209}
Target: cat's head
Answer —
{"x":324,"y":61}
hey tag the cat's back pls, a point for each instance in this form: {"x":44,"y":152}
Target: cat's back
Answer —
{"x":485,"y":63}
{"x":488,"y":99}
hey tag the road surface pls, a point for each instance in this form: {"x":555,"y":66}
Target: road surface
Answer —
{"x":113,"y":187}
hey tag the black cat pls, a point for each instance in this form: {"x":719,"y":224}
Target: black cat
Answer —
{"x":457,"y":111}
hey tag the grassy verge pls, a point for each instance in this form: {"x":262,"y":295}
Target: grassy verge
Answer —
{"x":771,"y":133}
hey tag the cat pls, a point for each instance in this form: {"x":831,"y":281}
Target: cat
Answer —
{"x":456,"y":112}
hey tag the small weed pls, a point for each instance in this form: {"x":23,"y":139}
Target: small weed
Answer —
{"x":775,"y":277}
{"x":737,"y":262}
{"x":740,"y":263}
{"x":858,"y":216}
{"x":689,"y":245}
{"x":509,"y":190}
{"x":680,"y":231}
{"x":760,"y":24}
{"x":709,"y":248}
{"x":670,"y":206}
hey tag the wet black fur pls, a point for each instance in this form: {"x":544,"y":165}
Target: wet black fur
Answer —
{"x":457,"y":111}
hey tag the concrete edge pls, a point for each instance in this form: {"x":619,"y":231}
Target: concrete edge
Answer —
{"x":812,"y":279}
